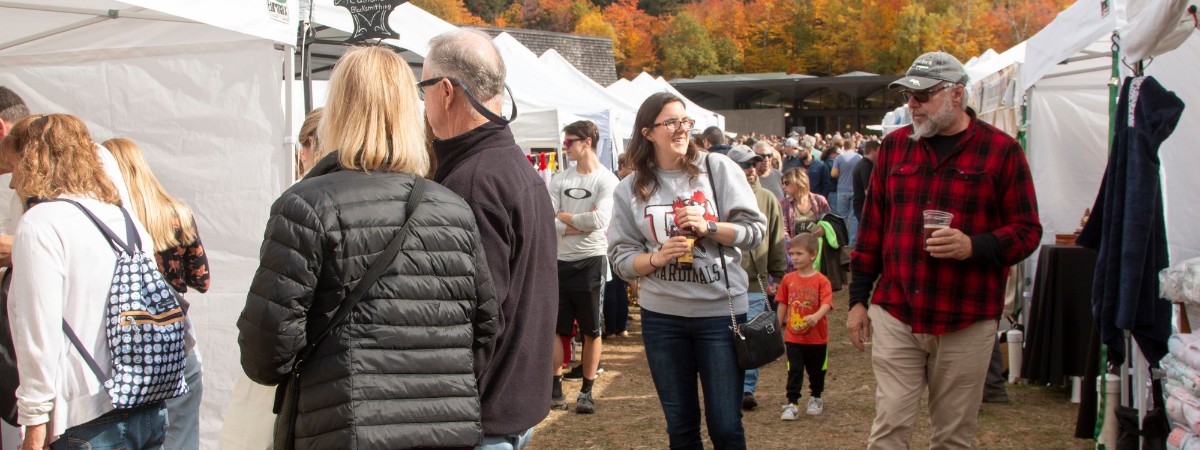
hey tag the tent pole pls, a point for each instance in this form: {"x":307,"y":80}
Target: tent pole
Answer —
{"x":289,"y":70}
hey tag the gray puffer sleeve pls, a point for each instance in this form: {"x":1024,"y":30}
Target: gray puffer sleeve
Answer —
{"x":271,"y":329}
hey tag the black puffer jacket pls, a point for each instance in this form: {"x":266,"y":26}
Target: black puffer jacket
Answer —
{"x":399,"y":372}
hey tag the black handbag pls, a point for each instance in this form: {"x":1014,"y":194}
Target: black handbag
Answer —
{"x":287,"y":395}
{"x":760,"y":340}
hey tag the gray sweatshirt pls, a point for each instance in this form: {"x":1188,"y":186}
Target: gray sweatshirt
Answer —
{"x":640,"y":227}
{"x":590,"y":198}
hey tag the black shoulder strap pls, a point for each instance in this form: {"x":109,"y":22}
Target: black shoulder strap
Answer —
{"x":87,"y":357}
{"x":378,"y":265}
{"x":130,"y":245}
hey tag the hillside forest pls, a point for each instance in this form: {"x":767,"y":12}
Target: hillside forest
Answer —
{"x":682,"y":39}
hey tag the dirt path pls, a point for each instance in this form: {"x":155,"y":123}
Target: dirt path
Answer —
{"x":628,"y":415}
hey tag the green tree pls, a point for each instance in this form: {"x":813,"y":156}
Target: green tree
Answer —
{"x":686,"y":49}
{"x":487,"y":9}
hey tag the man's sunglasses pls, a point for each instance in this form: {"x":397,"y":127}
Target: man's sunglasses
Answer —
{"x":923,"y":96}
{"x":568,"y":141}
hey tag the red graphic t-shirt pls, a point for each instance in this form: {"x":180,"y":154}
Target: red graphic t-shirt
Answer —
{"x":803,"y":297}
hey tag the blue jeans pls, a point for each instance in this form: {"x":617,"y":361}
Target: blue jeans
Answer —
{"x":680,"y":348}
{"x":511,"y":442}
{"x":139,"y":428}
{"x":758,"y":304}
{"x":845,"y":208}
{"x":183,"y":412}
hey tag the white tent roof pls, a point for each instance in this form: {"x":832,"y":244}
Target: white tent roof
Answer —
{"x":704,"y":118}
{"x":532,"y":82}
{"x":1069,"y":110}
{"x":622,"y":107}
{"x":34,"y":20}
{"x":197,"y":86}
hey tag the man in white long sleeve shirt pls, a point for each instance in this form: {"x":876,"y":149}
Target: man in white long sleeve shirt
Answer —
{"x":583,"y":198}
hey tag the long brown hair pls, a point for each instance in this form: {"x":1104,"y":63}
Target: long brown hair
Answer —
{"x":641,"y":150}
{"x":168,"y":220}
{"x":58,"y":157}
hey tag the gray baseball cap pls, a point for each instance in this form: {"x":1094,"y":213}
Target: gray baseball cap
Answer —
{"x":742,"y":154}
{"x":930,"y":69}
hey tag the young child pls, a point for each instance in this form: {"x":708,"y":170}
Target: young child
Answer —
{"x":804,"y":297}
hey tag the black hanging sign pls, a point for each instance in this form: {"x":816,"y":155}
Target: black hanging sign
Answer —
{"x":370,"y":18}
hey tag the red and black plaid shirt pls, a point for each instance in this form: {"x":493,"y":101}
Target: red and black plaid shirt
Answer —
{"x":985,"y":183}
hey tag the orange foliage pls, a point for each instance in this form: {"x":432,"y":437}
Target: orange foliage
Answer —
{"x":635,"y":48}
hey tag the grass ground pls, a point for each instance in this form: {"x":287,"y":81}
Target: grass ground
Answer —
{"x":628,"y":415}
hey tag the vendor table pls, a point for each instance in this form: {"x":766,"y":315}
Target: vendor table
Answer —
{"x":1060,"y":315}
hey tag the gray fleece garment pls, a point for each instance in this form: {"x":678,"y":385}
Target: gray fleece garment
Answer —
{"x":640,"y":227}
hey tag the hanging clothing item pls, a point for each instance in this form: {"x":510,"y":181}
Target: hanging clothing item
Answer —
{"x":1127,"y":227}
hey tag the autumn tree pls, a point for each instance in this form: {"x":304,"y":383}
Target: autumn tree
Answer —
{"x":686,"y":49}
{"x":634,"y":49}
{"x":453,"y":11}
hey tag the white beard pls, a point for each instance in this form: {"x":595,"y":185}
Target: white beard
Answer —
{"x":938,"y":121}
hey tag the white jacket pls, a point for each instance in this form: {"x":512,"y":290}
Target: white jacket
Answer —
{"x":63,"y":270}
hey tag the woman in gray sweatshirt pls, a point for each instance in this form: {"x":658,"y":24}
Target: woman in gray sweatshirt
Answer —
{"x":686,"y":313}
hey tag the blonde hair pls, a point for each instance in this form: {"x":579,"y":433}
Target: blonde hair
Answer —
{"x":57,"y":157}
{"x":371,"y":115}
{"x":169,"y":221}
{"x":797,"y":176}
{"x":308,"y":130}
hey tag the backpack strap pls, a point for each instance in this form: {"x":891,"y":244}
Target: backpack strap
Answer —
{"x":87,"y":357}
{"x":378,"y":265}
{"x":130,"y":245}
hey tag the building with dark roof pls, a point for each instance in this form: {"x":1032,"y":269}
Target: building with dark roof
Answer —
{"x":777,"y":103}
{"x":590,"y":54}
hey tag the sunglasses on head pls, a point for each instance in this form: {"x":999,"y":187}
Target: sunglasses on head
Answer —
{"x":923,"y":96}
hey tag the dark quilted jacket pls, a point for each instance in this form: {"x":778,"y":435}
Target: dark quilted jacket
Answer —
{"x":399,"y":373}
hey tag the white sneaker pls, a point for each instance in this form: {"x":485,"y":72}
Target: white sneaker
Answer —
{"x":790,"y":412}
{"x":815,"y":406}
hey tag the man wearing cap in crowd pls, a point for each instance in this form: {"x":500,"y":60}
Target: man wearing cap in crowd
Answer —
{"x":766,"y":264}
{"x":791,"y":154}
{"x":935,"y":309}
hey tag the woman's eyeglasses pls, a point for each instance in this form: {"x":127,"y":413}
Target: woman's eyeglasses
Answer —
{"x":674,"y":124}
{"x":923,"y":96}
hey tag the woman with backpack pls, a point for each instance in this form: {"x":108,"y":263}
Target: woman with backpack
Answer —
{"x":65,"y":271}
{"x":374,"y":348}
{"x":181,"y":259}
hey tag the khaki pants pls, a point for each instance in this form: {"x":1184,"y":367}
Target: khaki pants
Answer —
{"x":953,"y":365}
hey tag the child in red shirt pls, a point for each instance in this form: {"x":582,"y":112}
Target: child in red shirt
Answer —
{"x":804,"y":297}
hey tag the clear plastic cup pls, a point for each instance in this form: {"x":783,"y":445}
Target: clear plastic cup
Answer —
{"x":936,"y":220}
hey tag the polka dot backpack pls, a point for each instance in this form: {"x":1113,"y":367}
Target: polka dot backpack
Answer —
{"x":144,"y":325}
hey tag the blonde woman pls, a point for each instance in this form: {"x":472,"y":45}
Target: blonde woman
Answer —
{"x":801,"y":207}
{"x":64,"y":270}
{"x":309,"y":150}
{"x":183,"y":263}
{"x":398,"y":372}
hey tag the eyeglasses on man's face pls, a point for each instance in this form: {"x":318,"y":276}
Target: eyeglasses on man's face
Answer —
{"x":568,"y":141}
{"x":674,"y":124}
{"x":430,"y":82}
{"x":923,"y":96}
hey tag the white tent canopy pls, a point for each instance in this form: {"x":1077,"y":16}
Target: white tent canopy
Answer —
{"x":197,"y":86}
{"x":704,"y":118}
{"x":531,"y":80}
{"x":621,"y":111}
{"x":1069,"y":108}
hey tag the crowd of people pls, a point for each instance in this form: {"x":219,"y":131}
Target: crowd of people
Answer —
{"x":405,"y":296}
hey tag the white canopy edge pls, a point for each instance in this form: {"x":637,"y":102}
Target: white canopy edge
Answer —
{"x":29,"y":21}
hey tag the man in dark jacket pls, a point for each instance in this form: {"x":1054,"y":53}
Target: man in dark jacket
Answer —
{"x":478,"y":158}
{"x":714,"y":140}
{"x":862,"y":176}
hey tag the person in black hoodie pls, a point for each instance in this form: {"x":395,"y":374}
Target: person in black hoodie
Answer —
{"x":478,"y":158}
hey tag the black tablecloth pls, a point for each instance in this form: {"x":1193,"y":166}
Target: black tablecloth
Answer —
{"x":1060,"y":315}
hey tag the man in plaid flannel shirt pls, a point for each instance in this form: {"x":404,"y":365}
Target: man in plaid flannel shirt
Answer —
{"x":935,"y":309}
